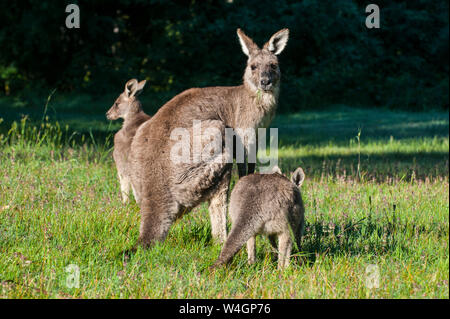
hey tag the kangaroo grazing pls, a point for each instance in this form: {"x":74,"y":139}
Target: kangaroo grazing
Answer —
{"x":167,"y":189}
{"x":268,"y":204}
{"x":127,"y":107}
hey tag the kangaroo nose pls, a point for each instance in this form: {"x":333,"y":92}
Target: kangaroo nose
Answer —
{"x":265,"y":81}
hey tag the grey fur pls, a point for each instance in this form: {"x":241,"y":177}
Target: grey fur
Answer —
{"x":128,"y":108}
{"x":266,"y":204}
{"x":167,"y":190}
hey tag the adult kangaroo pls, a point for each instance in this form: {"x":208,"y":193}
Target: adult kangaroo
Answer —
{"x":166,"y":188}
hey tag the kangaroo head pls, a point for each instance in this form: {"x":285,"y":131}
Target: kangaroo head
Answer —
{"x":127,"y":102}
{"x":298,"y":177}
{"x":262,"y":71}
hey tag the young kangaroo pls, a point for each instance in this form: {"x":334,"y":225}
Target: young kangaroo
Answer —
{"x":266,"y":204}
{"x":167,"y":188}
{"x":127,"y":107}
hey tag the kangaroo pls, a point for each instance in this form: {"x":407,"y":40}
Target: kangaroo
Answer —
{"x":127,"y":107}
{"x":267,"y":204}
{"x":168,"y":189}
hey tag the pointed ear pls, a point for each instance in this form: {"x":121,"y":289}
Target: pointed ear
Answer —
{"x":277,"y":42}
{"x":247,"y":44}
{"x":298,"y":177}
{"x":276,"y":169}
{"x":131,"y":87}
{"x":140,"y":87}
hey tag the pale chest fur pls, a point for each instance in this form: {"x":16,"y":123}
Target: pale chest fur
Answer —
{"x":260,"y":112}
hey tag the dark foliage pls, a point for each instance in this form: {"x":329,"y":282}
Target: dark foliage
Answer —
{"x":331,"y":56}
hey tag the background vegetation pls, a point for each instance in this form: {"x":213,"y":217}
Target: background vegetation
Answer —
{"x":331,"y":56}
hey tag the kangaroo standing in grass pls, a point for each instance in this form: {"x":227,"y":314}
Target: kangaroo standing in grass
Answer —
{"x":267,"y":204}
{"x":168,"y":189}
{"x":127,"y":107}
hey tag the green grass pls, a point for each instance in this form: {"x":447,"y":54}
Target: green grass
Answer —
{"x":60,"y":204}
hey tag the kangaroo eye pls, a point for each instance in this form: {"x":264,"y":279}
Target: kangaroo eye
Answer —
{"x":253,"y":67}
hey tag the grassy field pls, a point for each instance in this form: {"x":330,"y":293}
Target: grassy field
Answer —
{"x":377,"y":205}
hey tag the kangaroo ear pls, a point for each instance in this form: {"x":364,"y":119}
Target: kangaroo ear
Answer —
{"x":140,"y":87}
{"x":131,"y":87}
{"x":276,"y":169}
{"x":298,"y":177}
{"x":247,"y":44}
{"x":277,"y":42}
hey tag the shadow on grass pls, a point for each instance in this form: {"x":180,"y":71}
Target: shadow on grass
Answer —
{"x":368,"y":239}
{"x":341,"y":124}
{"x":381,"y":167}
{"x":367,"y":236}
{"x":318,"y":131}
{"x":361,"y":238}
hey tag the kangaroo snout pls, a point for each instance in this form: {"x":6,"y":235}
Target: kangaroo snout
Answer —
{"x":265,"y":81}
{"x":266,"y":84}
{"x":110,"y":116}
